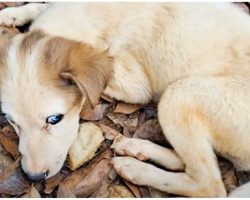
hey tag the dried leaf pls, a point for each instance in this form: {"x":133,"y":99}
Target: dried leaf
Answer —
{"x":89,"y":139}
{"x":94,"y":179}
{"x":9,"y":140}
{"x":152,"y":131}
{"x":130,"y":121}
{"x":134,"y":189}
{"x":107,"y":98}
{"x":13,"y":181}
{"x":94,"y":114}
{"x":109,"y":133}
{"x":228,"y":174}
{"x":154,"y":193}
{"x":52,"y":183}
{"x":5,"y":162}
{"x":84,"y":181}
{"x":144,"y":190}
{"x":33,"y":193}
{"x":102,"y":191}
{"x":125,"y":108}
{"x":119,"y":191}
{"x":117,"y":118}
{"x":64,"y":192}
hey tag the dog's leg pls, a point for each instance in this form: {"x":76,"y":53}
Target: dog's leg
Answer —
{"x":18,"y":16}
{"x":146,"y":150}
{"x":188,"y":131}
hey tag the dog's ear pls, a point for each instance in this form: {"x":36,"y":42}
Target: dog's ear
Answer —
{"x":90,"y":70}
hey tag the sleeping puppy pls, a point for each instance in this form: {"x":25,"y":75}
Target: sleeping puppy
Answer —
{"x":191,"y":58}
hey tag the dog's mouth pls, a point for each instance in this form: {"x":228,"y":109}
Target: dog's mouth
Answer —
{"x":45,"y":173}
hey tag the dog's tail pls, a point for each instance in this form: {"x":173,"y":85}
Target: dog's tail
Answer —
{"x":242,"y":191}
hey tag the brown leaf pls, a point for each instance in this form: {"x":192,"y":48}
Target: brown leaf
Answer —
{"x":154,"y":193}
{"x":52,"y":183}
{"x":152,"y":131}
{"x":94,"y":114}
{"x":117,"y":118}
{"x":130,"y":121}
{"x":107,"y":98}
{"x":144,"y":190}
{"x":106,"y":121}
{"x":109,"y":133}
{"x":5,"y":162}
{"x":134,"y":189}
{"x":228,"y":175}
{"x":64,"y":192}
{"x":13,"y":181}
{"x":126,"y":108}
{"x":119,"y":191}
{"x":102,"y":191}
{"x":83,"y":149}
{"x":94,"y":179}
{"x":9,"y":140}
{"x":84,"y":181}
{"x":33,"y":193}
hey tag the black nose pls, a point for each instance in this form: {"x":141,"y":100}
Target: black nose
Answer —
{"x":37,"y":177}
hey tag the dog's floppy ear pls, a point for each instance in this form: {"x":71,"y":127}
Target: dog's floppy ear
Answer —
{"x":90,"y":70}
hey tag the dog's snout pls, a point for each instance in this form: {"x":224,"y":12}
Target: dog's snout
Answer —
{"x":37,"y":177}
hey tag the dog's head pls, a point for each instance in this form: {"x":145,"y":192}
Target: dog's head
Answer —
{"x":45,"y":83}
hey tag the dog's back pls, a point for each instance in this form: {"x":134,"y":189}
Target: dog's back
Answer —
{"x":169,"y":41}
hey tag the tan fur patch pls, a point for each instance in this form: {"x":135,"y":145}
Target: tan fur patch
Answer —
{"x":87,"y":68}
{"x":29,"y":41}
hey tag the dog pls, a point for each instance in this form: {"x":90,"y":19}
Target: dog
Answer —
{"x":193,"y":59}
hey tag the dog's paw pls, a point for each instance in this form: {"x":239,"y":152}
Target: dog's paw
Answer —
{"x":131,"y":169}
{"x":12,"y":17}
{"x":130,"y":147}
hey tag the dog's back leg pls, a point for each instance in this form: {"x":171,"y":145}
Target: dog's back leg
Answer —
{"x":18,"y":16}
{"x":188,"y":130}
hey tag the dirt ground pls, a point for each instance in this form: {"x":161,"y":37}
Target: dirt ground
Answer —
{"x":96,"y":178}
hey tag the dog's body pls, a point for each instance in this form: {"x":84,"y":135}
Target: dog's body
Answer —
{"x":192,"y":59}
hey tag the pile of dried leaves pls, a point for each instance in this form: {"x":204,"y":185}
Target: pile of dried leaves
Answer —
{"x":96,"y":178}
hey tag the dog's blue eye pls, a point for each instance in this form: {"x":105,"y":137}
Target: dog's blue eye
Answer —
{"x":54,"y":119}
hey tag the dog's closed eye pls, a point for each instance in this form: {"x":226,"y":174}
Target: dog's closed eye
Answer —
{"x":54,"y":119}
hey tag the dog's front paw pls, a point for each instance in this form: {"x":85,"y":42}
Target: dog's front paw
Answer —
{"x":130,"y":146}
{"x":11,"y":17}
{"x":131,"y":169}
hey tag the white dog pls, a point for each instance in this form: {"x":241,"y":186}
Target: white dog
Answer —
{"x":194,"y":59}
